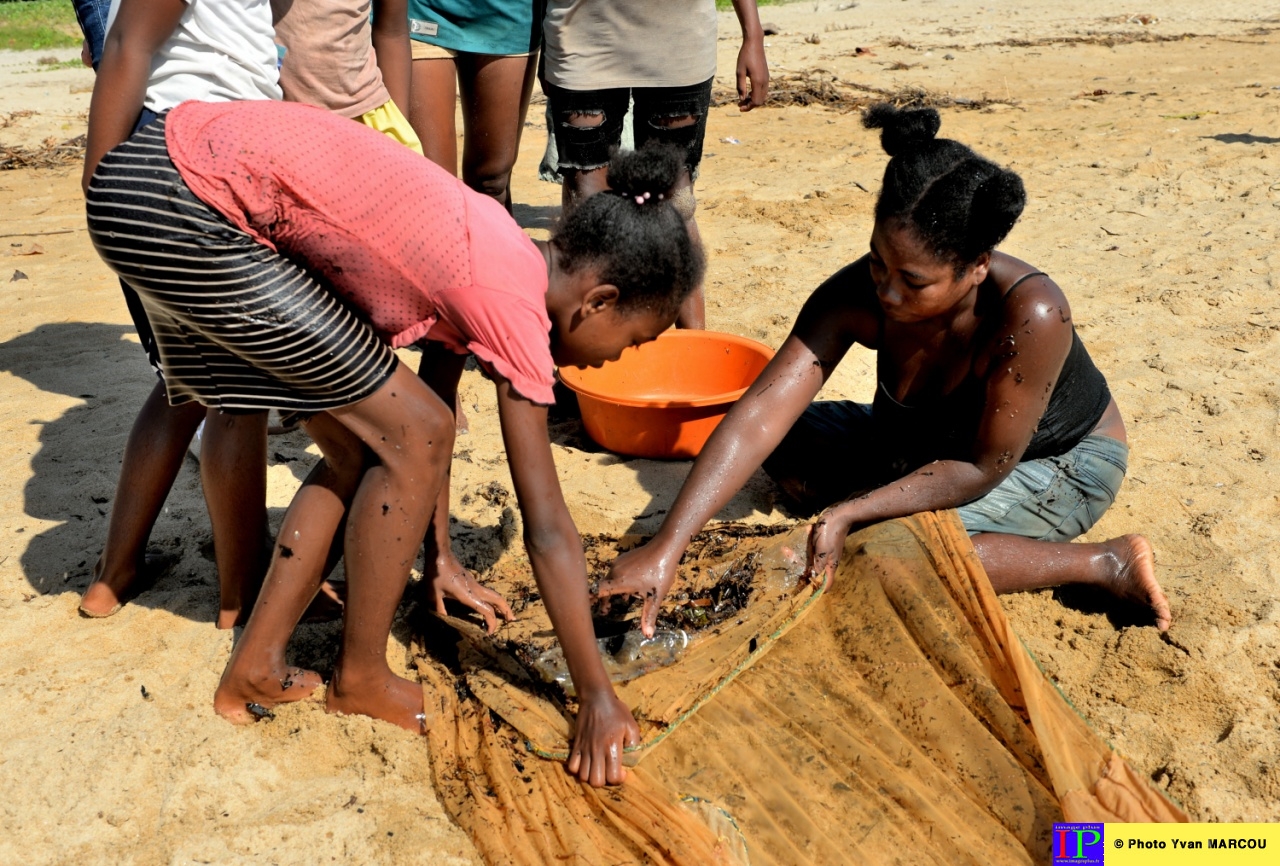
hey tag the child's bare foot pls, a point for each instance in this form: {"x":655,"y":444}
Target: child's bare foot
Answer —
{"x":107,"y":594}
{"x":1134,"y":577}
{"x":244,"y":698}
{"x":390,"y":698}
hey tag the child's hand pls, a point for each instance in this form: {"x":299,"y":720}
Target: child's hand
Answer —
{"x":643,"y":572}
{"x":752,"y":65}
{"x":461,"y":586}
{"x":826,"y":543}
{"x":605,"y":728}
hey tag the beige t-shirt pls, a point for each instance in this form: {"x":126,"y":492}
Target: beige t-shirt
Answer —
{"x":329,"y":59}
{"x":602,"y":44}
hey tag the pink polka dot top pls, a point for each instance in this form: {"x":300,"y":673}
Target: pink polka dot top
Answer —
{"x":396,"y":236}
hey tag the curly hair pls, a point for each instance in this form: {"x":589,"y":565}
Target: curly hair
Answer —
{"x":957,"y":202}
{"x":633,"y":236}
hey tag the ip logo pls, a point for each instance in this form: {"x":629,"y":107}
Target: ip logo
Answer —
{"x":1078,"y":844}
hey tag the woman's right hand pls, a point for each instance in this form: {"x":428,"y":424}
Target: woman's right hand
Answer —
{"x":647,"y":572}
{"x":605,"y":728}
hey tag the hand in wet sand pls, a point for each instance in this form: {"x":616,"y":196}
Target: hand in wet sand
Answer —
{"x":645,"y":573}
{"x":459,"y":584}
{"x":826,"y":542}
{"x":605,"y":728}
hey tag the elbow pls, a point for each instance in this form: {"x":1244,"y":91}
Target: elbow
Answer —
{"x":541,"y":541}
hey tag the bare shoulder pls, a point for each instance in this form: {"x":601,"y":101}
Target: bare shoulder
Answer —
{"x":1031,"y":298}
{"x":844,"y":305}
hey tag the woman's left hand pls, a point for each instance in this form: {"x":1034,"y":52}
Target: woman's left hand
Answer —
{"x":461,"y":586}
{"x":826,"y":543}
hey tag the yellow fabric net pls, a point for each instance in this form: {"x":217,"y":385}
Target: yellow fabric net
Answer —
{"x":893,"y":718}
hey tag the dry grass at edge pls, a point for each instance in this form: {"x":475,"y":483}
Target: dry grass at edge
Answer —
{"x":820,"y":87}
{"x":51,"y":154}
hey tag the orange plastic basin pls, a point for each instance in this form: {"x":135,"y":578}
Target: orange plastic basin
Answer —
{"x":664,"y":398}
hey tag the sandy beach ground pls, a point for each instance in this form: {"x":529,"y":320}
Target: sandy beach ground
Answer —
{"x":1149,"y":141}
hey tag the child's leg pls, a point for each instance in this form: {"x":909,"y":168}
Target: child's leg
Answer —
{"x":587,"y":125}
{"x":410,"y":430}
{"x":233,"y":470}
{"x":256,"y":672}
{"x":153,"y":455}
{"x":495,"y":99}
{"x":1022,"y":529}
{"x":693,"y":312}
{"x":678,"y":116}
{"x":447,"y":577}
{"x":1125,"y":566}
{"x":432,"y":106}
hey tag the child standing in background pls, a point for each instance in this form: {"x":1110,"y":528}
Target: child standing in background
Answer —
{"x":351,"y":57}
{"x":157,"y":54}
{"x":488,"y":49}
{"x":662,"y":53}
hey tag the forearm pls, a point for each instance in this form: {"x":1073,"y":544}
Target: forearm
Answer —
{"x":748,"y":19}
{"x":933,"y":487}
{"x":750,"y":432}
{"x":117,"y":101}
{"x":731,"y":456}
{"x":394,"y":55}
{"x":561,"y":573}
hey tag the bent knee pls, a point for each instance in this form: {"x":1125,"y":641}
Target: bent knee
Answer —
{"x":426,"y":440}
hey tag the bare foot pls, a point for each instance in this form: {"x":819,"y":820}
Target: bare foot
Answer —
{"x":1135,"y":576}
{"x":390,"y":698}
{"x":249,"y":698}
{"x":106,"y":595}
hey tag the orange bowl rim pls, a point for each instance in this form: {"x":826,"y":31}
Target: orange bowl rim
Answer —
{"x":571,"y":376}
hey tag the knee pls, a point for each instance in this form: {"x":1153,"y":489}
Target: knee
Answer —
{"x":492,"y":179}
{"x":677,"y":121}
{"x":583,"y":119}
{"x":426,"y":441}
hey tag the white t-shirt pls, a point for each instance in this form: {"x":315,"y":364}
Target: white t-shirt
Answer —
{"x":221,"y":51}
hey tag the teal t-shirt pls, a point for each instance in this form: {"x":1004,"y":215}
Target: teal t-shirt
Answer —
{"x":478,"y":26}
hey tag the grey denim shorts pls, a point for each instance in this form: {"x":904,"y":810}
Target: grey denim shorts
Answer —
{"x":1053,"y":498}
{"x":835,"y":451}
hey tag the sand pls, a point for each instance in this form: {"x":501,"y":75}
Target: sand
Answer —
{"x":1149,"y":153}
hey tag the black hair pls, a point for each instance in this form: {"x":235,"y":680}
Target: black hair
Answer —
{"x":633,"y":236}
{"x":957,"y":202}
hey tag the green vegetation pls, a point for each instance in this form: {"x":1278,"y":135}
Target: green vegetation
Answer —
{"x":722,"y":5}
{"x":38,"y":24}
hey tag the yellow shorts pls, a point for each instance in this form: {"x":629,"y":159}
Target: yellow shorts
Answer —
{"x":388,"y":120}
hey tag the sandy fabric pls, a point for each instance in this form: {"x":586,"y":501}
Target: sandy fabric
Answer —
{"x":897,"y":719}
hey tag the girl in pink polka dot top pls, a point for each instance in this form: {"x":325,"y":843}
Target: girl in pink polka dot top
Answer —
{"x":281,"y":253}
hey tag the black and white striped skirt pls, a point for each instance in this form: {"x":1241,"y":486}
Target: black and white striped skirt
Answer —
{"x":237,"y":325}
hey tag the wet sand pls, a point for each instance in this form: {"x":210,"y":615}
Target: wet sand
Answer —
{"x":1149,"y":151}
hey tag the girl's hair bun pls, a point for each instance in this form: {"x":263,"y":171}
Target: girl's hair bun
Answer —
{"x":902,"y":129}
{"x":653,"y":169}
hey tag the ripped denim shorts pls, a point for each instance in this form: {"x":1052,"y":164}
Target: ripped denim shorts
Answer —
{"x":589,"y":147}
